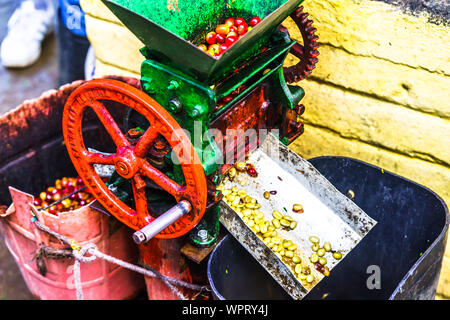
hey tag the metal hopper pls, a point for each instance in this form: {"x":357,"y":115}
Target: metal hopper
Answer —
{"x":170,"y":29}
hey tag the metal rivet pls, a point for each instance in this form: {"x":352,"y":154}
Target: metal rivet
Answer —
{"x":173,"y":85}
{"x":203,"y":234}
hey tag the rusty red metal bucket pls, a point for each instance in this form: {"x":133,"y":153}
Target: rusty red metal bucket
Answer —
{"x":32,"y":156}
{"x":52,"y":278}
{"x":164,"y":255}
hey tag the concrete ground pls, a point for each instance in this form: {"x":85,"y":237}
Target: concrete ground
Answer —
{"x":15,"y":87}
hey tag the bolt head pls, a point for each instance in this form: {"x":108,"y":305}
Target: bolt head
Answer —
{"x":173,"y":85}
{"x":197,"y":111}
{"x":203,"y":234}
{"x":138,"y":237}
{"x":175,"y":105}
{"x":148,"y":87}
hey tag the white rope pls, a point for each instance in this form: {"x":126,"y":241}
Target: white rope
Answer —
{"x":80,"y":257}
{"x":95,"y":253}
{"x":79,"y":253}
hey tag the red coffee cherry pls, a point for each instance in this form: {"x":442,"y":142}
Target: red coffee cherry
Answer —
{"x":211,"y":37}
{"x":254,"y":21}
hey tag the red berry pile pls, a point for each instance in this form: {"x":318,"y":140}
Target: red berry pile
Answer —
{"x":227,"y":34}
{"x":62,"y":188}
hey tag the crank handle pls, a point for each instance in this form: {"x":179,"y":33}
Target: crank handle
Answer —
{"x":162,"y":222}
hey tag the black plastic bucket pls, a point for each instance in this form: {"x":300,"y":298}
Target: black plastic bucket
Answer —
{"x":407,"y":244}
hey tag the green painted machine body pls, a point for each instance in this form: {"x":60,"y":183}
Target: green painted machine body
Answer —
{"x":193,"y":104}
{"x":189,"y":83}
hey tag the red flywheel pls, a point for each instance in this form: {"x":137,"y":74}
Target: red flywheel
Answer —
{"x":129,"y":159}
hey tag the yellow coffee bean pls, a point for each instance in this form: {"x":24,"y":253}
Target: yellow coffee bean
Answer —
{"x":251,"y":223}
{"x":296,"y":259}
{"x":301,"y":276}
{"x":282,"y":252}
{"x":314,"y":239}
{"x":276,"y":240}
{"x":270,"y":227}
{"x":321,"y":252}
{"x":276,"y":223}
{"x":258,"y":221}
{"x":267,"y":234}
{"x":298,"y":268}
{"x":245,"y":219}
{"x":263,"y":229}
{"x":326,"y":272}
{"x":240,"y":166}
{"x":257,"y":228}
{"x":293,"y":225}
{"x":297,"y":208}
{"x":309,"y":278}
{"x":327,"y":246}
{"x":337,"y":255}
{"x":288,"y":218}
{"x":266,"y":195}
{"x":236,"y":201}
{"x":315,"y":247}
{"x":285,"y":223}
{"x":286,"y":243}
{"x":242,"y":193}
{"x":323,"y":261}
{"x":246,"y":212}
{"x":260,"y":215}
{"x":314,"y":258}
{"x":277,"y":215}
{"x":292,"y":247}
{"x":289,"y":254}
{"x":231,"y":197}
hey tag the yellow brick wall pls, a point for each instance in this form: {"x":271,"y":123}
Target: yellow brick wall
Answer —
{"x":379,"y":93}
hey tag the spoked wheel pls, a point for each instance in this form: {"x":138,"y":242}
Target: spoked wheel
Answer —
{"x":129,"y":159}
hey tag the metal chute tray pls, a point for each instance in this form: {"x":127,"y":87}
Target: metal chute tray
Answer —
{"x":328,"y":214}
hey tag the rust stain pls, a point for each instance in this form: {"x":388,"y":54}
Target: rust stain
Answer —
{"x":172,"y":5}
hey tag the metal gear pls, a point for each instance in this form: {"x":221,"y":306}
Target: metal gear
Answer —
{"x":307,"y":53}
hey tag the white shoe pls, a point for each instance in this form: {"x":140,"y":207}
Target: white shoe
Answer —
{"x":27,"y":28}
{"x":89,"y":64}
